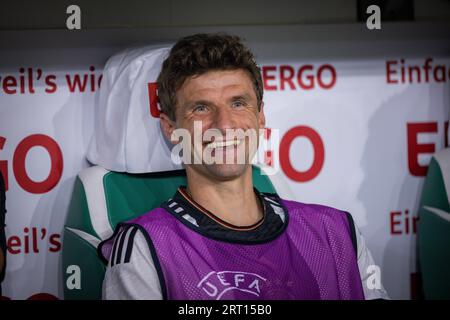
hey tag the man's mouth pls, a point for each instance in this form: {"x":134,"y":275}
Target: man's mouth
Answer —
{"x":223,"y":144}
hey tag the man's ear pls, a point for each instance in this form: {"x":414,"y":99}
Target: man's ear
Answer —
{"x":167,"y":126}
{"x":261,"y":117}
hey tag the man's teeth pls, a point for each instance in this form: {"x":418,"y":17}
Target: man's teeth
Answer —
{"x":222,"y":144}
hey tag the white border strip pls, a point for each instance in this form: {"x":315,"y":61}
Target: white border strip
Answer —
{"x":86,"y":236}
{"x":92,"y":180}
{"x":440,"y":213}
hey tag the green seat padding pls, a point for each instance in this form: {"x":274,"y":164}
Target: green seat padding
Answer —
{"x":434,"y":235}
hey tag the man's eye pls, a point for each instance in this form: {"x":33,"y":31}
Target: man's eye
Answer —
{"x":200,"y":108}
{"x":238,"y":104}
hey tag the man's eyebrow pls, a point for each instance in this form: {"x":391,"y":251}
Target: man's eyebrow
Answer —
{"x":244,"y":96}
{"x":192,"y":104}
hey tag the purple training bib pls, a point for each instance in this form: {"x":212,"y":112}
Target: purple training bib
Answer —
{"x":313,"y":258}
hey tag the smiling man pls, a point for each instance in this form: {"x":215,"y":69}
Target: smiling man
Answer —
{"x":219,"y":237}
{"x":219,"y":101}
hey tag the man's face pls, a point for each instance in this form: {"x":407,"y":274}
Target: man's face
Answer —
{"x":220,"y":101}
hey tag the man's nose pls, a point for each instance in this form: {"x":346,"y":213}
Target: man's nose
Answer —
{"x":224,"y":119}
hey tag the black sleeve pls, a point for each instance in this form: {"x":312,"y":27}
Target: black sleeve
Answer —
{"x":2,"y":224}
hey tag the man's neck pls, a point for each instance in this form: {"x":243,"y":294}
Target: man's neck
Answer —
{"x":233,"y":201}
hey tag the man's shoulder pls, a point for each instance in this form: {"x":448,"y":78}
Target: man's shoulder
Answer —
{"x":311,"y":208}
{"x":318,"y":216}
{"x":316,"y":212}
{"x":294,"y":207}
{"x":154,"y":215}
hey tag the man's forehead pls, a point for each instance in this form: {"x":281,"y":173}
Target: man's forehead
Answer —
{"x":225,"y":81}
